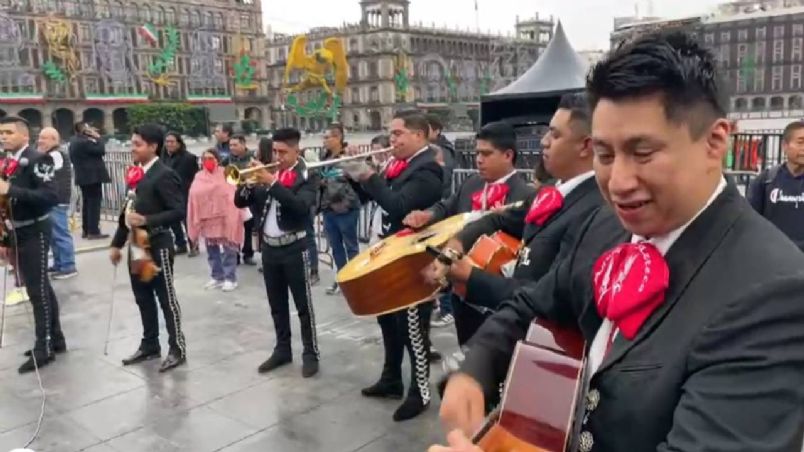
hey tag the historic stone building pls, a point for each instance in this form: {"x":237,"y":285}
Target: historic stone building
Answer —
{"x":760,"y":48}
{"x":446,"y":70}
{"x":66,"y":60}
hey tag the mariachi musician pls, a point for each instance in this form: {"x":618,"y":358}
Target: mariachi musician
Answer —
{"x":27,"y":195}
{"x":157,"y":203}
{"x":543,"y":225}
{"x":496,"y":184}
{"x":689,"y":301}
{"x":284,"y":200}
{"x":413,"y":181}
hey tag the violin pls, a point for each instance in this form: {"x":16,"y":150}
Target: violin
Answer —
{"x":141,"y":262}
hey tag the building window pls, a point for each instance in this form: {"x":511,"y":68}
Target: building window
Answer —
{"x":742,"y":85}
{"x":759,"y":80}
{"x":795,"y":76}
{"x":761,"y":31}
{"x":759,"y":52}
{"x":355,"y":95}
{"x":742,"y":50}
{"x":778,"y":50}
{"x":795,"y":53}
{"x":798,"y":29}
{"x":724,"y":55}
{"x":374,"y":94}
{"x":742,"y":35}
{"x":709,"y":39}
{"x":778,"y":31}
{"x":725,"y":36}
{"x":777,"y":82}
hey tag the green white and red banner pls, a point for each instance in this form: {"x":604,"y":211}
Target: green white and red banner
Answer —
{"x":21,"y":98}
{"x":209,"y":99}
{"x":149,"y":33}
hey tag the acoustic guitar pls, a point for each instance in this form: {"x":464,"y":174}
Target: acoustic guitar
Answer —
{"x":542,"y":389}
{"x":387,"y":276}
{"x":490,"y":253}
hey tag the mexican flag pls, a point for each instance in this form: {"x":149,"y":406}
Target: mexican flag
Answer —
{"x":148,"y":32}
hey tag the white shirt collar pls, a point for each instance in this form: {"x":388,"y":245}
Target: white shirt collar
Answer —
{"x":566,"y":187}
{"x":18,"y":154}
{"x":502,"y":179}
{"x":664,"y":242}
{"x":148,"y":165}
{"x":417,"y":153}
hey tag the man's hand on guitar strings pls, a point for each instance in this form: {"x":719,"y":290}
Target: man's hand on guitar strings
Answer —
{"x":463,"y":404}
{"x":458,"y":442}
{"x":418,"y":218}
{"x":435,"y":273}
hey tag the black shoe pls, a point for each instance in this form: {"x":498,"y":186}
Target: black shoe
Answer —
{"x":276,"y":360}
{"x":181,"y":250}
{"x":410,"y":408}
{"x":309,"y":366}
{"x":42,"y":360}
{"x":84,"y":235}
{"x":384,"y":389}
{"x":334,"y":290}
{"x":249,"y":261}
{"x":172,"y":360}
{"x":141,"y":355}
{"x":314,"y":279}
{"x":97,"y":236}
{"x":57,"y":348}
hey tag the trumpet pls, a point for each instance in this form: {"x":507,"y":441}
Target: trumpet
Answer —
{"x":236,"y":176}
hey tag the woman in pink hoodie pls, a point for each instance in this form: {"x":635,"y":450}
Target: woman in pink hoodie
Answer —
{"x":211,"y":214}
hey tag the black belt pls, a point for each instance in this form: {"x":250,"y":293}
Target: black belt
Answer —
{"x":284,"y":240}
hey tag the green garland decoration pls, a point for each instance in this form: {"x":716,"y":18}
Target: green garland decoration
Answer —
{"x":54,"y":72}
{"x":452,"y":86}
{"x":244,"y":72}
{"x":316,"y":107}
{"x":485,"y":84}
{"x":402,"y":82}
{"x":164,"y":60}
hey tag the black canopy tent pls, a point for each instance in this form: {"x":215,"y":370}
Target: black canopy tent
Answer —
{"x":533,"y":97}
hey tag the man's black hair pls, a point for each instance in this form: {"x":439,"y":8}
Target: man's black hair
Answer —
{"x":151,"y":134}
{"x":240,"y":138}
{"x":288,"y":135}
{"x":501,"y":135}
{"x":792,"y":128}
{"x":671,"y":64}
{"x":414,"y":120}
{"x":580,"y":116}
{"x":227,"y":128}
{"x":214,"y":153}
{"x":265,"y":150}
{"x":179,"y":139}
{"x":435,"y":122}
{"x":19,"y":122}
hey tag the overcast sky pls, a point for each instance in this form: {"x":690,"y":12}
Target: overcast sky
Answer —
{"x":587,"y":22}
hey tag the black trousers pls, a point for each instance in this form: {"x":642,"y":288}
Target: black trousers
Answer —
{"x":248,"y":242}
{"x":286,"y":268}
{"x":91,"y":196}
{"x":408,"y":329}
{"x":161,"y":288}
{"x":178,"y":229}
{"x":33,"y":243}
{"x":468,"y":319}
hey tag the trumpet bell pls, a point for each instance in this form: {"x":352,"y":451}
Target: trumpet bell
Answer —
{"x":232,"y":175}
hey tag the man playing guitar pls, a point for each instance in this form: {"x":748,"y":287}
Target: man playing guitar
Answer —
{"x":496,"y":184}
{"x":690,"y":300}
{"x":543,"y":225}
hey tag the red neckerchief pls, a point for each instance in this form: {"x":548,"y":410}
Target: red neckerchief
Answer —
{"x":630,"y":283}
{"x":547,"y":203}
{"x":134,"y":174}
{"x":395,"y":168}
{"x":495,"y":196}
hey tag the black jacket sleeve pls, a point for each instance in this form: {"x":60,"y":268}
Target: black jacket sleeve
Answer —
{"x":492,"y":347}
{"x":424,"y":182}
{"x":511,"y":221}
{"x":250,"y":196}
{"x":121,"y":234}
{"x":748,"y":359}
{"x":303,"y":200}
{"x":44,"y":191}
{"x":89,"y":148}
{"x":445,"y":208}
{"x":172,"y":197}
{"x":188,"y":169}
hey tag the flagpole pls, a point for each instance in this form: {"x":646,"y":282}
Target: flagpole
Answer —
{"x":477,"y":18}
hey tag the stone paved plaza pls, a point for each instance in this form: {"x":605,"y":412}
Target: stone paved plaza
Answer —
{"x":218,"y":401}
